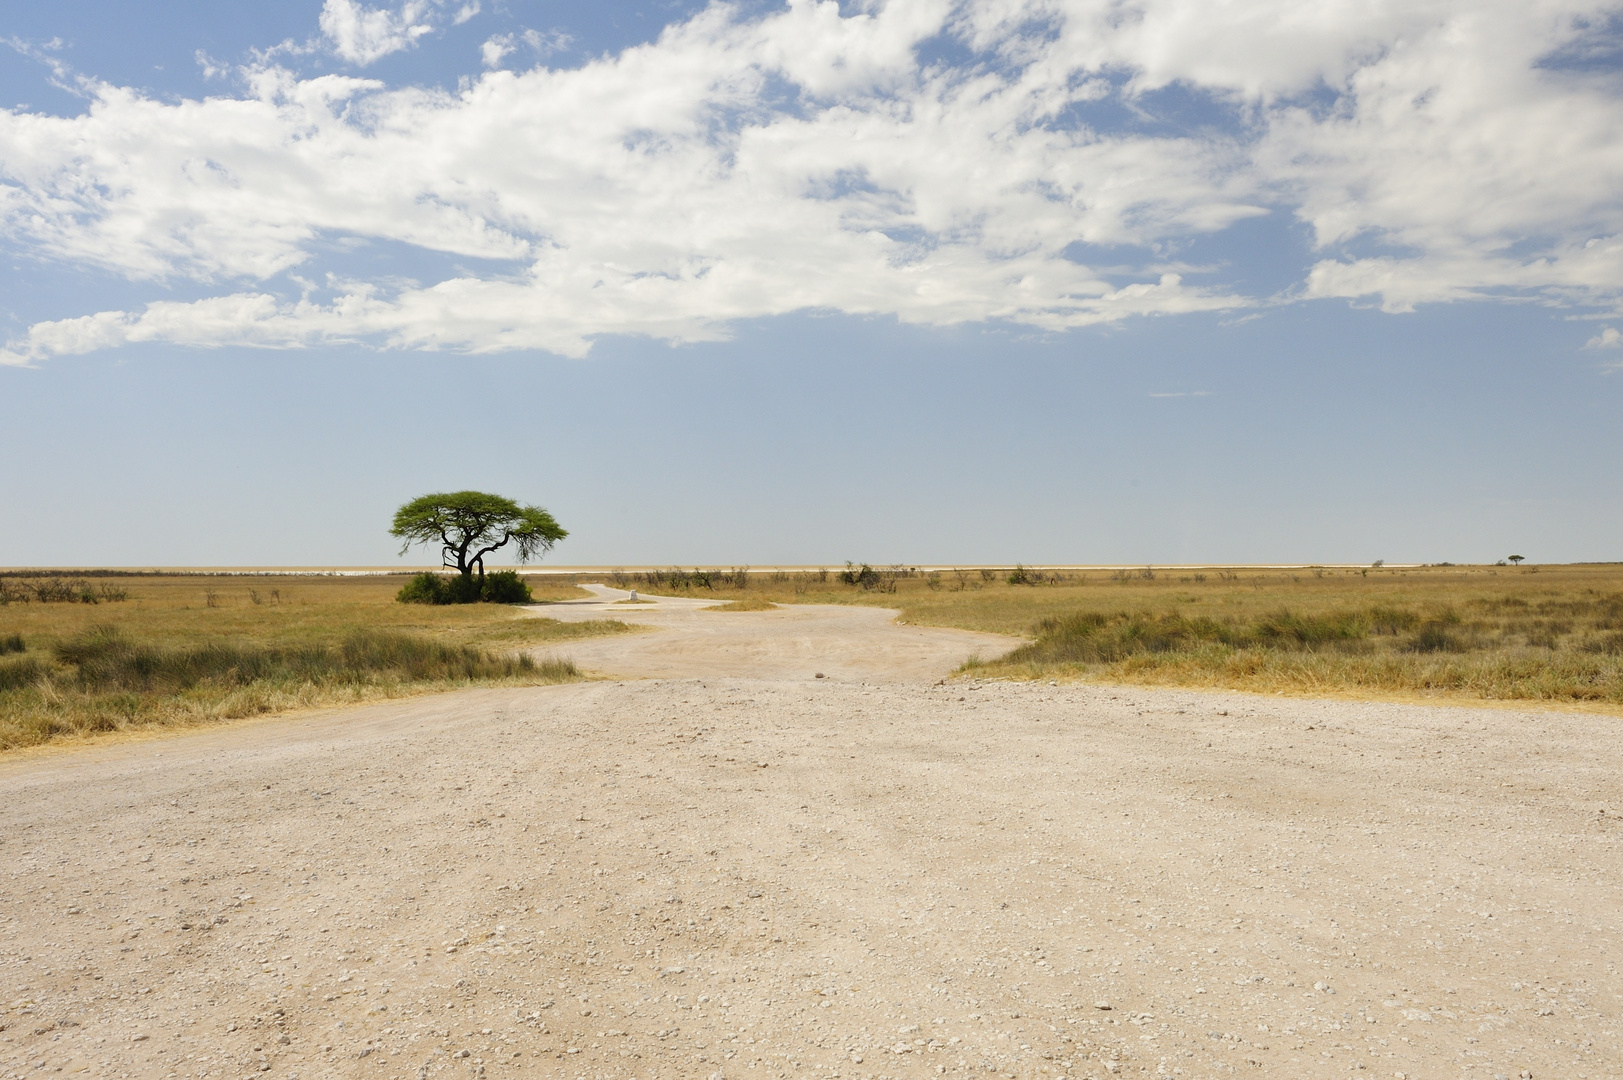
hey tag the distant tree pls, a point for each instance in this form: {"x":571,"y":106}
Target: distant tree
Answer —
{"x":468,"y":525}
{"x":1517,"y":559}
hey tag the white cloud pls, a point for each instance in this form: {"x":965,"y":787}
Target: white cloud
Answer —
{"x":362,"y":34}
{"x":737,"y":168}
{"x":1608,"y":338}
{"x":495,"y":49}
{"x":499,"y":46}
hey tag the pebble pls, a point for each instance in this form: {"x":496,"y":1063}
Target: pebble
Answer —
{"x":922,"y":864}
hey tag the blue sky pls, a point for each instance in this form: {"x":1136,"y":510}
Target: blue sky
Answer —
{"x":1040,"y":280}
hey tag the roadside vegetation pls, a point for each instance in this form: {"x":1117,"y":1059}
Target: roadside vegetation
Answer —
{"x":81,"y":654}
{"x":748,"y":603}
{"x":1469,"y":633}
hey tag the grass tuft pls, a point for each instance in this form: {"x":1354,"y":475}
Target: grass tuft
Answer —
{"x":104,"y":660}
{"x":751,"y":603}
{"x":1514,"y":656}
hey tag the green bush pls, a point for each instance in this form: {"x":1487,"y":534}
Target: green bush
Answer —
{"x":425,"y":588}
{"x":505,"y":587}
{"x":500,"y":587}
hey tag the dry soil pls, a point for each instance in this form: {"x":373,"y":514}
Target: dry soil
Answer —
{"x":755,"y":874}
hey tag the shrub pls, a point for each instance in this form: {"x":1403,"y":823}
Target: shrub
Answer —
{"x":425,"y":588}
{"x":12,"y":643}
{"x":505,"y":587}
{"x":864,"y":575}
{"x":501,"y":587}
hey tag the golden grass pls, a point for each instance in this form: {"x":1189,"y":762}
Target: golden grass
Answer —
{"x":1551,"y":634}
{"x":748,"y":603}
{"x":264,"y":644}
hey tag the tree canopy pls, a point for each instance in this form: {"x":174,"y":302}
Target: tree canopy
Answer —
{"x":468,"y":525}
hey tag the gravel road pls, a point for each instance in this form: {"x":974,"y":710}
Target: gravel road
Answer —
{"x":843,"y":877}
{"x":792,"y":642}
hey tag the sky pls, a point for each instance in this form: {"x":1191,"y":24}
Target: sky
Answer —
{"x":918,"y":281}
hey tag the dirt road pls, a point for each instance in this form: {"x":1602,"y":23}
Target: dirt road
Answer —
{"x":793,"y":642}
{"x":778,"y":877}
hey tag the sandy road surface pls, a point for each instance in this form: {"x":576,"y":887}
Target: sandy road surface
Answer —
{"x":821,"y":878}
{"x":793,"y":642}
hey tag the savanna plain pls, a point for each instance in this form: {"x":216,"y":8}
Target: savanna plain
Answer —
{"x":1307,"y":822}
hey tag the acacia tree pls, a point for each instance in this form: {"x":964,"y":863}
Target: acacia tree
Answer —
{"x":468,"y":525}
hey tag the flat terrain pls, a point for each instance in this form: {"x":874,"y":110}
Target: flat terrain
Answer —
{"x":793,"y":642}
{"x":864,"y":875}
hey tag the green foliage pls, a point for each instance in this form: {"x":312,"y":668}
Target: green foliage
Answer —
{"x":431,"y":588}
{"x":498,"y":587}
{"x":505,"y":587}
{"x":468,"y":525}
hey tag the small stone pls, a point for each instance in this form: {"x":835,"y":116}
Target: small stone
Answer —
{"x":1102,"y":1006}
{"x":820,"y":675}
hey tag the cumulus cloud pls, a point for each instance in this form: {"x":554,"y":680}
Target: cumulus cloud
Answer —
{"x":1608,"y":338}
{"x":361,"y":34}
{"x":495,"y":49}
{"x":742,"y":167}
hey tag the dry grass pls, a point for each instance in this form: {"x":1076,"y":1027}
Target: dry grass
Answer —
{"x":1469,"y":633}
{"x":748,"y":603}
{"x":183,"y":650}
